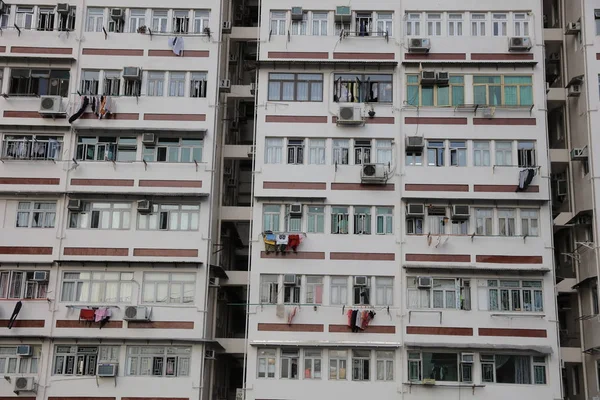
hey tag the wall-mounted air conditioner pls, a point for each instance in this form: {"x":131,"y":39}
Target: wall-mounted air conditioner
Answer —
{"x":373,"y":173}
{"x":442,"y":78}
{"x":24,"y":350}
{"x":136,"y":313}
{"x":427,"y":77}
{"x":107,"y":370}
{"x":41,"y":276}
{"x":361,"y":281}
{"x":297,"y":14}
{"x":24,"y":384}
{"x":132,"y":73}
{"x":519,"y":44}
{"x":350,"y":115}
{"x":562,"y":188}
{"x":579,"y":154}
{"x":225,"y":85}
{"x":467,"y":358}
{"x":343,"y":13}
{"x":573,"y":28}
{"x":62,"y":8}
{"x":74,"y":205}
{"x":419,"y":45}
{"x":460,"y":212}
{"x":289,"y":279}
{"x":415,"y":210}
{"x":226,"y":27}
{"x":117,"y":14}
{"x":296,"y":209}
{"x":51,"y":105}
{"x":144,"y":206}
{"x":415,"y":143}
{"x":148,"y":138}
{"x":574,"y":90}
{"x":424,"y":282}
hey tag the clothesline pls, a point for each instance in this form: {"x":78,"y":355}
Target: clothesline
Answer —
{"x":342,"y":307}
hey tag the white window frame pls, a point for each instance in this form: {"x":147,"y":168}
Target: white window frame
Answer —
{"x":269,"y":289}
{"x":482,"y":215}
{"x":90,"y":82}
{"x":528,"y":217}
{"x":273,"y":150}
{"x":358,"y":358}
{"x":504,"y":292}
{"x":413,"y":24}
{"x":384,"y":291}
{"x":300,"y":26}
{"x":385,"y":23}
{"x":12,"y":364}
{"x":385,"y":364}
{"x":155,"y":84}
{"x":24,"y":17}
{"x":320,"y":23}
{"x":288,"y":358}
{"x":317,"y":151}
{"x":383,"y":151}
{"x":425,"y":298}
{"x":341,"y":152}
{"x":198,"y":84}
{"x":185,"y":217}
{"x":338,"y":365}
{"x":481,"y":153}
{"x":271,"y":217}
{"x":458,"y":149}
{"x":154,"y":281}
{"x":50,"y":19}
{"x":278,"y":22}
{"x":507,"y":221}
{"x":266,"y":363}
{"x":503,"y":153}
{"x":137,"y":19}
{"x":314,"y":284}
{"x":111,"y":84}
{"x":455,"y":24}
{"x":34,"y":211}
{"x":434,"y":23}
{"x":338,"y":287}
{"x":384,"y":219}
{"x":160,"y":21}
{"x":295,"y":151}
{"x":116,"y":215}
{"x":363,"y":221}
{"x":479,"y":24}
{"x":312,"y":358}
{"x":521,"y":24}
{"x":340,"y":216}
{"x":181,"y":21}
{"x":158,"y":361}
{"x":201,"y":20}
{"x":499,"y":24}
{"x":81,"y":288}
{"x":16,"y":285}
{"x":315,"y":219}
{"x":177,"y":84}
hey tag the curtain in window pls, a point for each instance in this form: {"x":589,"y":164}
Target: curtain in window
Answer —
{"x":273,"y":153}
{"x":526,"y":93}
{"x":288,"y":91}
{"x":316,"y":151}
{"x":458,"y":95}
{"x":510,"y":95}
{"x":522,"y":369}
{"x":443,"y":95}
{"x":479,"y":93}
{"x":22,"y":219}
{"x":384,"y":151}
{"x":302,"y":91}
{"x":316,"y":91}
{"x":412,"y":95}
{"x":493,"y":299}
{"x":427,"y":96}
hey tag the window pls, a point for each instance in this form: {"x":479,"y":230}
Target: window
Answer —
{"x":90,"y":82}
{"x":458,"y":153}
{"x":385,"y":365}
{"x":319,"y":24}
{"x":435,"y":153}
{"x":341,"y":26}
{"x":176,"y":84}
{"x":137,"y":19}
{"x":11,"y":363}
{"x":271,"y":215}
{"x":299,"y":25}
{"x":268,"y":289}
{"x":521,"y":24}
{"x":45,"y":21}
{"x":171,"y":217}
{"x":384,"y":151}
{"x":112,"y":83}
{"x":278,"y":20}
{"x":341,"y":150}
{"x":597,"y":22}
{"x":363,"y":24}
{"x":413,"y":24}
{"x":526,"y":154}
{"x":478,"y":22}
{"x":159,"y":21}
{"x":175,"y":150}
{"x":414,"y":366}
{"x":338,"y":361}
{"x":384,"y":291}
{"x":289,"y":363}
{"x":339,"y":220}
{"x":295,"y":87}
{"x":503,"y":90}
{"x":291,"y":293}
{"x":132,"y":87}
{"x":460,"y":226}
{"x":483,"y":221}
{"x":339,"y":290}
{"x":312,"y":364}
{"x":75,"y":360}
{"x":445,"y":95}
{"x":156,"y":83}
{"x":384,"y":24}
{"x":481,"y":153}
{"x":504,"y":154}
{"x":414,"y":158}
{"x":361,"y":365}
{"x":385,"y":220}
{"x":267,"y":360}
{"x":455,"y":24}
{"x":442,"y":367}
{"x":106,"y":148}
{"x":434,"y":24}
{"x":362,"y":220}
{"x":181,"y":21}
{"x":314,"y":290}
{"x":201,"y":18}
{"x":362,"y":152}
{"x":172,"y":288}
{"x":97,"y":215}
{"x":414,"y":226}
{"x":20,"y":285}
{"x":359,"y":88}
{"x":273,"y":150}
{"x":506,"y":222}
{"x":316,"y":219}
{"x":295,"y":151}
{"x":32,"y":147}
{"x":39,"y":82}
{"x":499,"y":23}
{"x":5,"y":16}
{"x":316,"y":151}
{"x":36,"y":214}
{"x":443,"y":294}
{"x":506,"y":368}
{"x":361,"y":293}
{"x":198,"y":84}
{"x":529,"y":222}
{"x":24,"y":17}
{"x":158,"y":361}
{"x":293,"y":223}
{"x":514,"y":295}
{"x":115,"y":25}
{"x":66,"y":22}
{"x":594,"y":292}
{"x":97,"y":287}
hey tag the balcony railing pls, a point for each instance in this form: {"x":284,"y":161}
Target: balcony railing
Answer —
{"x":48,"y":149}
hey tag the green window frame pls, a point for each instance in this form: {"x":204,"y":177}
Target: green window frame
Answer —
{"x":452,"y":94}
{"x":503,"y":90}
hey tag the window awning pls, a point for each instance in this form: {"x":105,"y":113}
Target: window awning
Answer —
{"x":472,"y":267}
{"x":583,"y":282}
{"x":7,"y":60}
{"x":324,"y":343}
{"x":135,"y":195}
{"x":482,"y":346}
{"x":130,"y":263}
{"x":137,"y":131}
{"x":469,"y":63}
{"x":298,"y":197}
{"x":576,"y":80}
{"x":336,"y":65}
{"x":35,"y":129}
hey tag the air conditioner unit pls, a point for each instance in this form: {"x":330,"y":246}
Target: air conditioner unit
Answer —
{"x":342,"y":12}
{"x":209,"y":354}
{"x":350,"y":115}
{"x":226,"y":27}
{"x":296,"y":209}
{"x":574,"y":91}
{"x":519,"y":44}
{"x":442,"y":78}
{"x":460,"y":212}
{"x":62,"y":8}
{"x":419,"y":45}
{"x":415,"y":210}
{"x":225,"y":85}
{"x":467,"y":358}
{"x":579,"y":154}
{"x":297,"y":14}
{"x":554,"y":57}
{"x":24,"y":384}
{"x":131,"y":73}
{"x":51,"y":105}
{"x":214,"y":282}
{"x":144,"y":206}
{"x":40,"y":276}
{"x":361,"y":281}
{"x":373,"y":173}
{"x":251,"y":151}
{"x":74,"y":205}
{"x":136,"y":313}
{"x":107,"y":370}
{"x":289,"y":279}
{"x":573,"y":28}
{"x":415,"y":142}
{"x":424,"y":282}
{"x":148,"y":138}
{"x":488,"y":112}
{"x":233,"y":58}
{"x":117,"y":14}
{"x":24,"y":350}
{"x":427,"y":77}
{"x":562,"y":189}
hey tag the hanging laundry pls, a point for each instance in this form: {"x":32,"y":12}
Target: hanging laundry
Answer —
{"x":353,"y":321}
{"x":176,"y":45}
{"x":291,"y":315}
{"x":525,"y":178}
{"x":101,"y":313}
{"x":294,"y":242}
{"x":269,"y":239}
{"x":349,"y":315}
{"x":79,"y":113}
{"x":86,"y":314}
{"x":14,"y":314}
{"x":93,"y":104}
{"x":282,"y":242}
{"x":104,"y":317}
